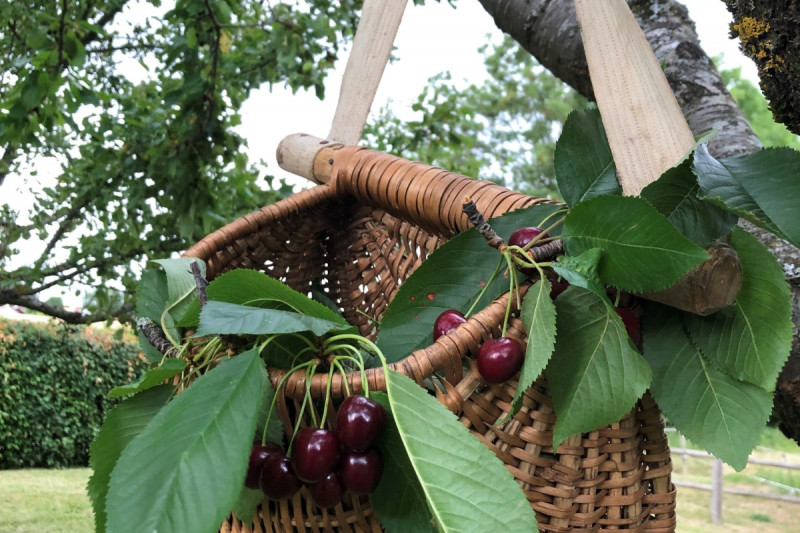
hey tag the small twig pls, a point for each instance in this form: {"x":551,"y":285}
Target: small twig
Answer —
{"x":156,"y":337}
{"x":476,"y":219}
{"x":201,"y":283}
{"x":547,"y":251}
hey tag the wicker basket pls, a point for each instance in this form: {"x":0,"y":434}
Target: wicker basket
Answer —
{"x":359,"y":237}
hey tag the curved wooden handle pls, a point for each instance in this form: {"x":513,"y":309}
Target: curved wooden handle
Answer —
{"x":643,"y":121}
{"x":372,"y":45}
{"x":425,"y":195}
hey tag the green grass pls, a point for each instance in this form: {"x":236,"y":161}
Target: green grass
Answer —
{"x":34,"y":501}
{"x":55,"y":501}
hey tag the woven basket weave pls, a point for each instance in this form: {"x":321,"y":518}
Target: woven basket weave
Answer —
{"x":358,"y":238}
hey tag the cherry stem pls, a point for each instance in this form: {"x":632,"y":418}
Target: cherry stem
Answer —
{"x":556,"y":223}
{"x":512,"y":277}
{"x":327,"y":395}
{"x":357,"y":359}
{"x":486,"y":286}
{"x":365,"y":343}
{"x":275,"y":399}
{"x":343,"y":372}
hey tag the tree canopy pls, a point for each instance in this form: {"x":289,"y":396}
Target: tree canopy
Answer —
{"x":148,"y":160}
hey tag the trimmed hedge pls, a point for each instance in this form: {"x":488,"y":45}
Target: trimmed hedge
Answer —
{"x":54,"y":381}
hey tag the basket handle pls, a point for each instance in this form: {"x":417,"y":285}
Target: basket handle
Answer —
{"x":425,"y":195}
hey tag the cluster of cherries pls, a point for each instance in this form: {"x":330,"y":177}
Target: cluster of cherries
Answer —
{"x":500,"y":359}
{"x":327,"y":462}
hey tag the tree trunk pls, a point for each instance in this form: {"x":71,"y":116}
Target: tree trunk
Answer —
{"x":768,"y":33}
{"x":548,"y":29}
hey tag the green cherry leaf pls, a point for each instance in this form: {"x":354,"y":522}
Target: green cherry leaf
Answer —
{"x":152,"y":377}
{"x":466,"y":486}
{"x":642,"y":251}
{"x":761,"y":187}
{"x":583,"y":162}
{"x":538,"y":316}
{"x":674,"y":195}
{"x":257,"y":289}
{"x":581,"y":270}
{"x":185,"y":470}
{"x":220,"y":318}
{"x":398,"y":500}
{"x":123,"y":423}
{"x":595,"y":375}
{"x":722,"y":415}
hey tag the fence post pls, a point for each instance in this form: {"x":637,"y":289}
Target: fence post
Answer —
{"x":683,"y":456}
{"x":716,"y":492}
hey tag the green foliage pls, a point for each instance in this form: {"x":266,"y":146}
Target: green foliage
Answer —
{"x":202,"y":438}
{"x":641,"y":250}
{"x":503,"y":129}
{"x":674,"y":195}
{"x":714,"y":410}
{"x":224,"y":318}
{"x":596,"y":374}
{"x":122,"y":424}
{"x":583,"y":161}
{"x":445,"y":457}
{"x":538,"y":315}
{"x":761,"y":187}
{"x":451,"y":278}
{"x":399,"y":501}
{"x":149,"y":161}
{"x":53,"y":386}
{"x":253,"y":288}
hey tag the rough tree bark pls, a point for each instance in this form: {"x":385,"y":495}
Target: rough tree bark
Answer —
{"x":548,"y":29}
{"x":769,"y":32}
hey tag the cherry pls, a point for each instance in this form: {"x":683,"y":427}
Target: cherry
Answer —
{"x":359,"y":421}
{"x":632,"y":325}
{"x":258,"y":455}
{"x":447,"y":322}
{"x":360,"y":472}
{"x":557,"y":287}
{"x":315,"y":453}
{"x":278,"y":480}
{"x":328,"y":491}
{"x":523,"y":236}
{"x":499,"y":359}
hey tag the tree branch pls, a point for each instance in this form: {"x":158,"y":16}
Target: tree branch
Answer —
{"x":768,"y":34}
{"x":71,"y":317}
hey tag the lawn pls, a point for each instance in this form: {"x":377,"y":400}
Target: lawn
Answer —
{"x":45,"y":500}
{"x":32,"y":501}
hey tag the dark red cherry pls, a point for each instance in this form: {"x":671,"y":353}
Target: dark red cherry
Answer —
{"x":328,"y":491}
{"x":447,"y":322}
{"x":359,"y":421}
{"x":315,"y":453}
{"x":258,"y":454}
{"x":360,"y":472}
{"x":499,"y":359}
{"x":557,"y":287}
{"x":632,"y":325}
{"x":278,"y":480}
{"x":523,"y":236}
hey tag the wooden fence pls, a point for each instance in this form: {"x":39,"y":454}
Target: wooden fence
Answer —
{"x":717,"y":489}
